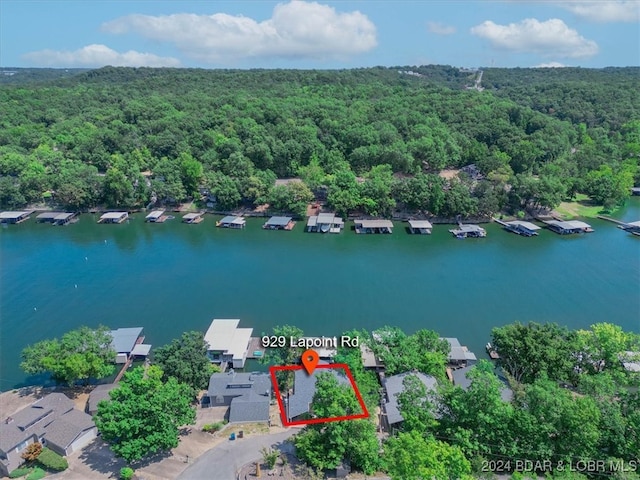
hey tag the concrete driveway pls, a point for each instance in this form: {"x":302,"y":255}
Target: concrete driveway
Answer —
{"x":223,"y":461}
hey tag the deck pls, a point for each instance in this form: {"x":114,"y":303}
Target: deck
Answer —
{"x":255,"y":351}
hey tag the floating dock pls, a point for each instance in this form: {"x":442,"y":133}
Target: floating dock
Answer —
{"x":568,"y":227}
{"x":231,"y":221}
{"x":420,"y":227}
{"x":631,"y":227}
{"x":325,"y":223}
{"x":193,"y":218}
{"x":14,"y":217}
{"x":57,"y":218}
{"x":279,"y":223}
{"x":468,"y":231}
{"x":113,"y":217}
{"x":374,"y":226}
{"x":157,"y":216}
{"x":519,"y":227}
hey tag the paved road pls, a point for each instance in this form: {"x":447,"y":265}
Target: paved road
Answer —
{"x":222,"y":462}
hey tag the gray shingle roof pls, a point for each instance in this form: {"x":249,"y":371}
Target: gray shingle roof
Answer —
{"x":394,"y":385}
{"x":305,"y":388}
{"x":101,"y":392}
{"x":52,"y":417}
{"x":461,"y":379}
{"x":250,"y":408}
{"x":252,"y":392}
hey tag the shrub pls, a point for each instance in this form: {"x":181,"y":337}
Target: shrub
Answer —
{"x":213,"y":427}
{"x":270,"y":457}
{"x":37,"y":474}
{"x":20,"y":472}
{"x":52,"y":461}
{"x":32,"y":451}
{"x":126,"y":473}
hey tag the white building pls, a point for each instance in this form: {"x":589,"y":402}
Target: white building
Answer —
{"x":228,"y":344}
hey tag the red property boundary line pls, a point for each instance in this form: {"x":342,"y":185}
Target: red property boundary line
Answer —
{"x":283,"y":415}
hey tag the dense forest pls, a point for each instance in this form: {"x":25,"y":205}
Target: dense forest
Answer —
{"x":371,"y":141}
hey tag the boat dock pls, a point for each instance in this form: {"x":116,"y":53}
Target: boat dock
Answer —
{"x":157,"y":216}
{"x":15,"y":217}
{"x":493,"y":354}
{"x":519,"y":227}
{"x":568,"y":227}
{"x":255,"y":350}
{"x":113,"y":217}
{"x":468,"y":231}
{"x":193,"y":218}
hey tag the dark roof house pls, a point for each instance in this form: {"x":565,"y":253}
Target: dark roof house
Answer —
{"x":248,"y":395}
{"x":52,"y":421}
{"x":304,"y":388}
{"x":393,"y":386}
{"x":101,"y":392}
{"x":461,"y":379}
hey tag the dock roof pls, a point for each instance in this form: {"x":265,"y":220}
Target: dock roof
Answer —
{"x":191,"y":216}
{"x":48,"y":215}
{"x":232,"y":219}
{"x":124,"y":339}
{"x":278,"y":221}
{"x":223,"y":335}
{"x":634,"y":224}
{"x":569,"y":224}
{"x":112,"y":215}
{"x":326,"y":217}
{"x":13,"y":215}
{"x":155,"y":214}
{"x":394,"y":385}
{"x":470,"y":228}
{"x":420,"y":224}
{"x":375,"y":223}
{"x":523,"y":224}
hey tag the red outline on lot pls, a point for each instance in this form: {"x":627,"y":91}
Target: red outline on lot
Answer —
{"x":345,"y":367}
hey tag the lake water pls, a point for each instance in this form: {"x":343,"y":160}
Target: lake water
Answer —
{"x":173,"y":277}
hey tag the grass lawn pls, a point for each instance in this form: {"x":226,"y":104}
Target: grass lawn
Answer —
{"x":581,"y":207}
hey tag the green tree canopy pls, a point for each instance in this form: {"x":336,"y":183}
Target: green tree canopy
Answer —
{"x":144,"y":414}
{"x":79,"y":355}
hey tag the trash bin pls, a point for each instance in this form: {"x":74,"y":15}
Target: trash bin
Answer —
{"x":241,"y":434}
{"x":232,"y":436}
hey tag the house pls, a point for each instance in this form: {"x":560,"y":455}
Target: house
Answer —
{"x":192,"y":218}
{"x":157,"y":216}
{"x":421,"y":227}
{"x":526,"y":229}
{"x":56,"y":218}
{"x":248,"y":395}
{"x":52,"y":421}
{"x":459,"y":355}
{"x":14,"y":217}
{"x":113,"y":217}
{"x":279,"y":223}
{"x":299,"y":401}
{"x":228,"y":344}
{"x":373,"y":226}
{"x":231,"y":221}
{"x":568,"y":227}
{"x":461,"y":379}
{"x":468,"y":231}
{"x":393,"y":386}
{"x":128,"y":341}
{"x":325,"y":223}
{"x":98,"y":394}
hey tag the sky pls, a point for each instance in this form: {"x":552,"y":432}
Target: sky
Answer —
{"x":319,"y":34}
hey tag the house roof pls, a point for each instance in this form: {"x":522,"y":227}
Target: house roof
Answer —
{"x":394,"y":385}
{"x":461,"y":379}
{"x":523,"y":224}
{"x":278,"y":221}
{"x":43,"y":419}
{"x":304,"y":388}
{"x":251,"y":392}
{"x":124,"y":339}
{"x":250,"y":408}
{"x":420,"y":224}
{"x":375,"y":223}
{"x":101,"y":392}
{"x":223,"y":335}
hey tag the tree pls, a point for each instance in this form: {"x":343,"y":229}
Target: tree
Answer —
{"x":326,"y":445}
{"x":416,"y":406}
{"x":80,"y":354}
{"x":191,"y":170}
{"x":293,"y":197}
{"x":410,"y":456}
{"x":144,"y":414}
{"x":118,"y":190}
{"x":529,"y":351}
{"x":344,"y":193}
{"x":186,"y":360}
{"x":284,"y":355}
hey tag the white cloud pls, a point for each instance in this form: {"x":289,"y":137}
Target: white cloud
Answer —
{"x":440,"y":28}
{"x":295,"y":29}
{"x":605,"y":11}
{"x":98,"y":56}
{"x":551,"y":38}
{"x":550,"y":65}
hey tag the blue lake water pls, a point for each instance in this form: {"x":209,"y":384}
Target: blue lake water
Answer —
{"x":173,"y":277}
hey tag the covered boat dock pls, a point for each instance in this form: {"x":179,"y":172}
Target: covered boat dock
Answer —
{"x":520,"y":227}
{"x":374,"y":226}
{"x":420,"y":227}
{"x":157,"y":216}
{"x":231,"y":221}
{"x":193,"y":218}
{"x":113,"y":217}
{"x":279,"y":223}
{"x":468,"y":231}
{"x":325,"y":223}
{"x":14,"y":217}
{"x":56,"y":218}
{"x":568,"y":227}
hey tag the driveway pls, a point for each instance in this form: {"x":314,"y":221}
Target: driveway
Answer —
{"x":223,"y":461}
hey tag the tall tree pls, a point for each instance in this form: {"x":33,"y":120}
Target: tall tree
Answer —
{"x":80,"y":355}
{"x":144,"y":414}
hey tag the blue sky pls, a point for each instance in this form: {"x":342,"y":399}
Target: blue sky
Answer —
{"x":322,"y":34}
